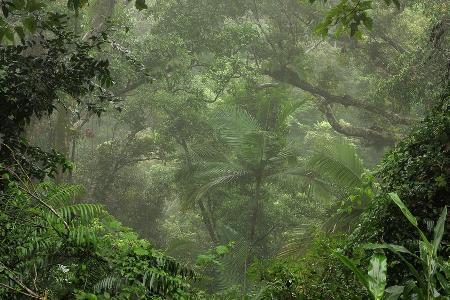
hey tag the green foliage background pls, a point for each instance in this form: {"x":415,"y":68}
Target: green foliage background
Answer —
{"x":255,"y":142}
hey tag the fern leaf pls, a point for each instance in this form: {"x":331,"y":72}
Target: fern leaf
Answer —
{"x":110,"y":283}
{"x":83,"y":212}
{"x":60,"y":195}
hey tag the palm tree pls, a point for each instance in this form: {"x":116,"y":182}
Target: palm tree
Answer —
{"x":246,"y":153}
{"x":250,"y":154}
{"x":332,"y":173}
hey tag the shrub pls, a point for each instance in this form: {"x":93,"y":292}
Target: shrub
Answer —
{"x":418,"y":170}
{"x":317,"y":275}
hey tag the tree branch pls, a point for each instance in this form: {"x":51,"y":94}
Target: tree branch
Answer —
{"x":353,"y":131}
{"x":132,"y":86}
{"x":11,"y":276}
{"x":288,"y":76}
{"x":262,"y":86}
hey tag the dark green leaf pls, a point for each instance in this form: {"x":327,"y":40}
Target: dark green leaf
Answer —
{"x":444,"y":282}
{"x":33,"y":5}
{"x":20,"y":32}
{"x":368,"y":22}
{"x":5,"y":11}
{"x":353,"y":29}
{"x":394,"y":197}
{"x":140,"y":4}
{"x":19,"y":4}
{"x":396,"y":3}
{"x":30,"y":24}
{"x":392,"y":247}
{"x":351,"y":265}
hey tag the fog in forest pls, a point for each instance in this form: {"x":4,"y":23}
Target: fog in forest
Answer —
{"x":224,"y":149}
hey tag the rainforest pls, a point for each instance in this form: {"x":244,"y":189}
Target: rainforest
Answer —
{"x":224,"y":149}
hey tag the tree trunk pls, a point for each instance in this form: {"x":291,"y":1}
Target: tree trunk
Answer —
{"x":256,"y":209}
{"x":208,"y":222}
{"x":61,"y":140}
{"x":206,"y":217}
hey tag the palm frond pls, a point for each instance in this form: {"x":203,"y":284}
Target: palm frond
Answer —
{"x":241,"y":132}
{"x":235,"y":122}
{"x":288,"y":109}
{"x":286,"y":154}
{"x":219,"y":181}
{"x":234,"y":265}
{"x":298,"y":241}
{"x":339,"y":164}
{"x":209,"y":152}
{"x":182,"y":248}
{"x":36,"y":244}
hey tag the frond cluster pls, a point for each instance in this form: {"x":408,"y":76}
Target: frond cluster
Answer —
{"x":80,"y":242}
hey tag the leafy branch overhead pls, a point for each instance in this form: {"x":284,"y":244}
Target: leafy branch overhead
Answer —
{"x":349,"y":15}
{"x":20,"y":18}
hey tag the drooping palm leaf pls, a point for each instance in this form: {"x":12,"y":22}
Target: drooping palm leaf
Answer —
{"x":235,"y":262}
{"x":242,"y":133}
{"x":298,"y":241}
{"x":338,"y":163}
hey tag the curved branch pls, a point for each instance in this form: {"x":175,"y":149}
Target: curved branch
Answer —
{"x":288,"y":76}
{"x":354,"y":131}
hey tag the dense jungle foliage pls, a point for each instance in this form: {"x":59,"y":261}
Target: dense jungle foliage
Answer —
{"x":224,"y":149}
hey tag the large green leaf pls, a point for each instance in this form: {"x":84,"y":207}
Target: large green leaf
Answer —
{"x":425,"y":252}
{"x":439,"y":230}
{"x":394,"y":197}
{"x":392,"y":247}
{"x":444,"y":282}
{"x":377,"y":275}
{"x":351,"y":265}
{"x":398,"y":250}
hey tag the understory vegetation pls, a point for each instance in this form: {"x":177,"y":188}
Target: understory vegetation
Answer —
{"x":224,"y":149}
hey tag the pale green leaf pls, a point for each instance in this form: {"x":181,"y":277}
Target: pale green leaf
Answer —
{"x":377,"y":275}
{"x":394,"y":197}
{"x":439,"y":230}
{"x":393,"y":292}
